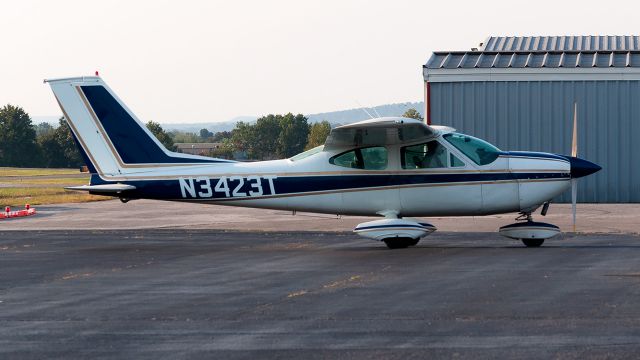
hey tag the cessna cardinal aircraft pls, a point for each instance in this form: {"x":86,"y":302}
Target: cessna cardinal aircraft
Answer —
{"x":391,"y":167}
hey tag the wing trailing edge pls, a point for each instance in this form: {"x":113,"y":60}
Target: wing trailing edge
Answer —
{"x":104,"y":188}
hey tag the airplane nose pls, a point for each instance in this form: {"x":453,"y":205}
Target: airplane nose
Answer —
{"x":581,"y":167}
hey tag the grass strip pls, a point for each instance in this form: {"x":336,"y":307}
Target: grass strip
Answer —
{"x":19,"y":196}
{"x":12,"y":171}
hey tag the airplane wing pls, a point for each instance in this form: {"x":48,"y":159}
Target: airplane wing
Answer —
{"x":106,"y":188}
{"x":382,"y":131}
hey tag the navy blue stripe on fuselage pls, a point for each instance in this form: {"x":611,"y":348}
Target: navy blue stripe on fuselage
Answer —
{"x":248,"y":187}
{"x":340,"y":182}
{"x":132,"y":143}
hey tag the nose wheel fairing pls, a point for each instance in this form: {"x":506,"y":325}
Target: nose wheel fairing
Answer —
{"x":529,"y":230}
{"x":531,"y":233}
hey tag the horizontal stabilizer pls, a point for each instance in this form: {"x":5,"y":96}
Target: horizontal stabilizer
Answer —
{"x":105,"y":188}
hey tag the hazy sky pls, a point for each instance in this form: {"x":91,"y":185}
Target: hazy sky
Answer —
{"x":195,"y":61}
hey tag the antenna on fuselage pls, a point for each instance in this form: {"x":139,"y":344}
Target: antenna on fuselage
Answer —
{"x":376,"y":111}
{"x":365,"y":110}
{"x":368,"y":113}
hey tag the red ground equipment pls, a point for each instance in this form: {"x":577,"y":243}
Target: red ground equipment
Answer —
{"x":28,"y":210}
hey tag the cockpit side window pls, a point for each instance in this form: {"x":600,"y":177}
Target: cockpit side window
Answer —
{"x":370,"y":158}
{"x":428,"y":155}
{"x":455,"y":162}
{"x":479,"y":151}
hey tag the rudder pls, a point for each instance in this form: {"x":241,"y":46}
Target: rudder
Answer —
{"x":110,"y":136}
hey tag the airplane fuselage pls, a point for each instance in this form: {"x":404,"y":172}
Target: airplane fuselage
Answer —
{"x":513,"y":182}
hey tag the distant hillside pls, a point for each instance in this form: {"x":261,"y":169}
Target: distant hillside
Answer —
{"x":352,"y":115}
{"x":51,"y":119}
{"x":214,"y":127}
{"x":335,"y":118}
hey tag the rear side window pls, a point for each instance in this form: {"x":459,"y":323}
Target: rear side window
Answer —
{"x":480,"y":151}
{"x":371,"y":158}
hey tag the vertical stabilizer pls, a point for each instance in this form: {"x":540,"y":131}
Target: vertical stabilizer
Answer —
{"x":109,"y":135}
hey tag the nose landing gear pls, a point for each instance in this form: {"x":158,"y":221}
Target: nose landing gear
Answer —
{"x":531,"y":233}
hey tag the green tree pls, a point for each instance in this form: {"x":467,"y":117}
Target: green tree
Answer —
{"x":266,"y":133}
{"x":272,"y":136}
{"x":161,"y":135}
{"x":205,"y":134}
{"x":17,"y":138}
{"x":243,"y":138}
{"x":184,"y":137}
{"x":58,"y":148}
{"x":52,"y":152}
{"x":413,"y":114}
{"x":225,"y":150}
{"x":221,"y":136}
{"x":68,"y":145}
{"x":293,"y":135}
{"x":43,"y":128}
{"x":318,"y":133}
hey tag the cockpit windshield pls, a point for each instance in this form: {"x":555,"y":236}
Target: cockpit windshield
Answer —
{"x":480,"y":151}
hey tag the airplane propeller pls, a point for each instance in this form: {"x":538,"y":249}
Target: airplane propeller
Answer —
{"x":574,"y":153}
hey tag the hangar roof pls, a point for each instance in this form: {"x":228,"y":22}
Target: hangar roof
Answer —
{"x":539,"y":58}
{"x":533,"y":59}
{"x":561,"y":43}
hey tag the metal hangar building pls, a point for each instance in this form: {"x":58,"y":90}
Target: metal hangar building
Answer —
{"x":519,"y":93}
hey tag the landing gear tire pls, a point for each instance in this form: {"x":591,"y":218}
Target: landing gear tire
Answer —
{"x":532,"y":242}
{"x":400,"y":242}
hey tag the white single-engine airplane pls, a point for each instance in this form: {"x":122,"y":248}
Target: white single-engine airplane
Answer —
{"x":392,"y":167}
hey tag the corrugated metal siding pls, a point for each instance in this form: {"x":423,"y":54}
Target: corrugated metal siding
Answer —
{"x":537,"y":116}
{"x":474,"y":59}
{"x":561,"y":43}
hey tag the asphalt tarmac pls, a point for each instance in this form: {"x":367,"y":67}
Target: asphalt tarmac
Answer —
{"x":180,"y":293}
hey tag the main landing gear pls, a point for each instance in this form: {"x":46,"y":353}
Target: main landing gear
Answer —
{"x":400,"y":242}
{"x":532,"y":242}
{"x":531,"y":233}
{"x":396,"y":233}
